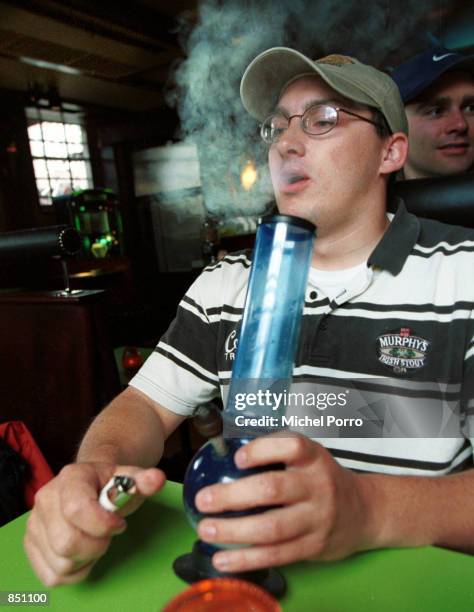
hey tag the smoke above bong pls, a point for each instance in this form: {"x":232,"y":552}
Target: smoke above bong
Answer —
{"x":227,"y":36}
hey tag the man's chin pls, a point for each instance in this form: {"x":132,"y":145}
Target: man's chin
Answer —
{"x":297,"y":213}
{"x":456,"y":169}
{"x":444,"y":169}
{"x":295,"y":210}
{"x":455,"y":165}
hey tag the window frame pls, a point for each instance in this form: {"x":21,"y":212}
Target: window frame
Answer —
{"x":71,"y":182}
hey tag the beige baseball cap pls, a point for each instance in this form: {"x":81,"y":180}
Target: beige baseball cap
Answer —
{"x":267,"y":75}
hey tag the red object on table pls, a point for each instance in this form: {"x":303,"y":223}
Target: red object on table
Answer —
{"x":132,"y":360}
{"x":17,"y":435}
{"x":217,"y":594}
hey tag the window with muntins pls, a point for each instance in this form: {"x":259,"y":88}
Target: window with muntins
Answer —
{"x":58,"y":144}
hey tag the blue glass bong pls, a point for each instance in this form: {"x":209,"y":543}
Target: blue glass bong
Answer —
{"x":265,"y":356}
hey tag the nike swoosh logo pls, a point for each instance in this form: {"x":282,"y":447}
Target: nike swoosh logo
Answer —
{"x":438,"y":58}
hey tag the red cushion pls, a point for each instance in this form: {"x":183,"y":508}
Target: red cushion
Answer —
{"x":17,"y":435}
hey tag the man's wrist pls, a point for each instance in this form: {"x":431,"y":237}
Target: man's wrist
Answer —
{"x":374,"y":534}
{"x":401,"y":510}
{"x":104,"y":453}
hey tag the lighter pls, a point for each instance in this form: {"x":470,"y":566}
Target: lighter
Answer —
{"x":117,"y":492}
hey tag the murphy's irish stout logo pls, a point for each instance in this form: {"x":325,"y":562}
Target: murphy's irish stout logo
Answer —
{"x":402,"y":350}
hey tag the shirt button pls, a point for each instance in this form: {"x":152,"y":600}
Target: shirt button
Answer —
{"x":313,"y":295}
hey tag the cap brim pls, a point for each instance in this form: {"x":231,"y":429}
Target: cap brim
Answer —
{"x":266,"y":76}
{"x":465,"y":63}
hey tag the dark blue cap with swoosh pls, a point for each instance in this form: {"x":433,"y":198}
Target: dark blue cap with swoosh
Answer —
{"x":419,"y":72}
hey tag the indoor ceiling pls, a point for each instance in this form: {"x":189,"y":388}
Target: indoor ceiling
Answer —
{"x":119,"y":54}
{"x":104,"y":52}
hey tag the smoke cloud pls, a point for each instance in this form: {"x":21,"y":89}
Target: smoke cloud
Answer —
{"x":228,"y":35}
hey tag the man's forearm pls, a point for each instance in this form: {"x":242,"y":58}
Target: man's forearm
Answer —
{"x":127,"y":432}
{"x":418,"y":511}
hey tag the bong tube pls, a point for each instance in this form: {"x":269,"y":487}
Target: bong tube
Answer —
{"x":271,"y":321}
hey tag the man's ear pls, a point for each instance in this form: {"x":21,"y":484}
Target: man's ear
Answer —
{"x":395,"y":152}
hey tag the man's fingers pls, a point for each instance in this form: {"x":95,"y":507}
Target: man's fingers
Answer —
{"x":257,"y":557}
{"x":267,"y":488}
{"x":273,"y":526}
{"x":291,"y":449}
{"x":78,"y":499}
{"x":47,"y":576}
{"x":88,"y":517}
{"x":68,"y":529}
{"x":46,"y":573}
{"x":149,"y":481}
{"x":72,"y":495}
{"x":64,"y":548}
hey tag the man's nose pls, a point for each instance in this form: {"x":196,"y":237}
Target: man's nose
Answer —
{"x":291,"y":141}
{"x":457,"y":121}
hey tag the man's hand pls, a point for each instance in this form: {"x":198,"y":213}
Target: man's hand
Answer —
{"x":324,"y":511}
{"x":68,"y":530}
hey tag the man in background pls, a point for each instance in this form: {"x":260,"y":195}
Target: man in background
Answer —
{"x":437,"y":88}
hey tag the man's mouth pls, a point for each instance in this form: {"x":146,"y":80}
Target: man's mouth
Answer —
{"x":454,"y":147}
{"x":292,"y":183}
{"x":295,"y":178}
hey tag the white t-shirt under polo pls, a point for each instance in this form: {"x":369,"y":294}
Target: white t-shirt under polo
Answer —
{"x":334,"y":283}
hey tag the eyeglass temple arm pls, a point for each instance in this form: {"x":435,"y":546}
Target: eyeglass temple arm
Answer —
{"x":343,"y":110}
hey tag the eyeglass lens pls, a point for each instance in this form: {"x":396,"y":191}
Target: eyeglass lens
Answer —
{"x":316,"y":120}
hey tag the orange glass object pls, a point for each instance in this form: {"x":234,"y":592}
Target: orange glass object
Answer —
{"x":218,"y":594}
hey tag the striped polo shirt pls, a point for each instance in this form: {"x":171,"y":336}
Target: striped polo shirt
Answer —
{"x":404,"y":330}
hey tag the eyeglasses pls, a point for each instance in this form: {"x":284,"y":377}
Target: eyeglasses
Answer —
{"x":316,"y":120}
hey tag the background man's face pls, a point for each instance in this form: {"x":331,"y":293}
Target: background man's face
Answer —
{"x":324,"y":178}
{"x":441,"y":121}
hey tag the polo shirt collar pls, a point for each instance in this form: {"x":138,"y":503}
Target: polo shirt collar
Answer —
{"x":397,"y":242}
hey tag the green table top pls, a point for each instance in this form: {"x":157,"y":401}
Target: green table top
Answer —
{"x":136,"y":574}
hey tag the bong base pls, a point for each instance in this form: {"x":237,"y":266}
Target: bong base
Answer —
{"x":196,"y":566}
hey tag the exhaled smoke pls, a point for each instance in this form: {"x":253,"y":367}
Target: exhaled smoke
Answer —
{"x":228,"y":35}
